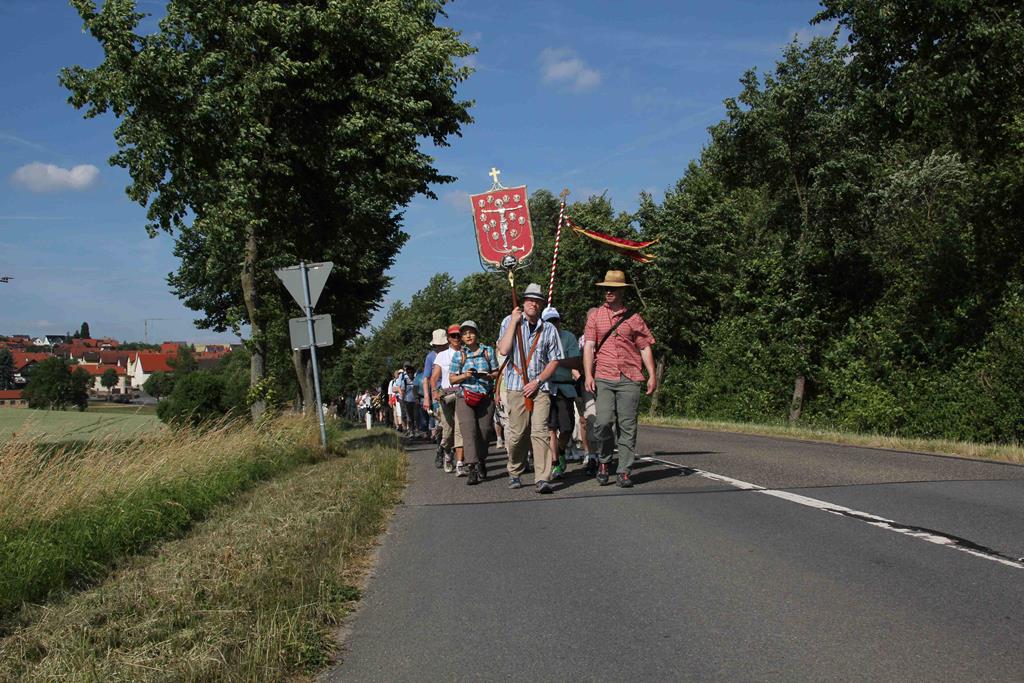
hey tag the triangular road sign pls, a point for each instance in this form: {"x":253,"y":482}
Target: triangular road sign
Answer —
{"x":292,"y":279}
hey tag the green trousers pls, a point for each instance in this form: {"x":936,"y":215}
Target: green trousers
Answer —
{"x":617,"y":403}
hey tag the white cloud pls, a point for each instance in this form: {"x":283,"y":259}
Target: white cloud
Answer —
{"x":562,"y":66}
{"x":39,"y":177}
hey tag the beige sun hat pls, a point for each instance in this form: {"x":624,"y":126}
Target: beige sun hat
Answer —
{"x":614,"y":278}
{"x":439,"y":337}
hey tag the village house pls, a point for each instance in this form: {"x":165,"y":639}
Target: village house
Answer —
{"x":142,"y":364}
{"x":12,"y":398}
{"x":96,"y":372}
{"x":23,"y":362}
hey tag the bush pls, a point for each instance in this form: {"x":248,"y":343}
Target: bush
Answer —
{"x":197,"y":397}
{"x":202,"y":395}
{"x":744,"y":374}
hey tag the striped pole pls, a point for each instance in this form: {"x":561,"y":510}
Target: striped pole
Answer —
{"x":558,"y":239}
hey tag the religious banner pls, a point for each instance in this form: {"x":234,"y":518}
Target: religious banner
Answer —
{"x":629,"y":248}
{"x":502,"y":220}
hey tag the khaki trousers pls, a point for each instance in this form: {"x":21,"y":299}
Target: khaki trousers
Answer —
{"x":451,"y":434}
{"x":527,"y":429}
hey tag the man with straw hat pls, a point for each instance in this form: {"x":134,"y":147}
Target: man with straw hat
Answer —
{"x":533,"y":358}
{"x":617,"y":346}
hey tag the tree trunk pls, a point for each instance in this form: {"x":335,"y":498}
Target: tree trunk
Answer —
{"x":798,"y":400}
{"x":258,"y":344}
{"x":303,"y":365}
{"x":659,"y":372}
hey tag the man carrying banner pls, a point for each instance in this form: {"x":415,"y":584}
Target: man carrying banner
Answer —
{"x":617,"y":346}
{"x":526,"y":375}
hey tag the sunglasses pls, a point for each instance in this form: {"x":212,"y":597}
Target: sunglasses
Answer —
{"x":454,"y":335}
{"x":611,"y":289}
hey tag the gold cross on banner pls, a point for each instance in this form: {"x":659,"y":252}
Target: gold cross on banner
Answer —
{"x":494,"y":174}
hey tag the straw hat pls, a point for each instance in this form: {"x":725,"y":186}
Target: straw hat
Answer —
{"x":614,"y":278}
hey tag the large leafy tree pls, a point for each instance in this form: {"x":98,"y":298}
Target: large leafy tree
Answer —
{"x":57,"y":384}
{"x":260,"y":132}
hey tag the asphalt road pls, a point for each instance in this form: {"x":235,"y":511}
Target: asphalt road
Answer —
{"x":735,"y":558}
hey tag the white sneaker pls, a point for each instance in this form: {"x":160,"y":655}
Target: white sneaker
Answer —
{"x":460,"y":469}
{"x":448,"y":466}
{"x":500,"y":444}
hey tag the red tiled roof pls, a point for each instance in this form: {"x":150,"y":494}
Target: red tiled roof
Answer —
{"x":21,"y":359}
{"x":153,"y":361}
{"x":98,"y":370}
{"x":10,"y":394}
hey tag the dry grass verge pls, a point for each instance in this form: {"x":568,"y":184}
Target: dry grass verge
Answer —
{"x":964,"y":449}
{"x":251,"y":594}
{"x":68,"y":511}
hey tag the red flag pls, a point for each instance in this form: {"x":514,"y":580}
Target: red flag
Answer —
{"x":628,"y":248}
{"x":502,"y":220}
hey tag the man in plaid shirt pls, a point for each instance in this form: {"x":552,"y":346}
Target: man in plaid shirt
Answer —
{"x":542,"y":351}
{"x":617,"y":345}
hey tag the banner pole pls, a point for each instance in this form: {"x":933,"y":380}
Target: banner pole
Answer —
{"x":558,"y":239}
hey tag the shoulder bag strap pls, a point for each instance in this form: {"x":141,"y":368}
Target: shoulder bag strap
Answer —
{"x":625,"y":316}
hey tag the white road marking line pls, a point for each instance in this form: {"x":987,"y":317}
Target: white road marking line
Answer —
{"x":831,"y":508}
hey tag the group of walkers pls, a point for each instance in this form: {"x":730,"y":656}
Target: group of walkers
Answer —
{"x":537,"y":387}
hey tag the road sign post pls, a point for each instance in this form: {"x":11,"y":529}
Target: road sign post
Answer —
{"x":305,"y":282}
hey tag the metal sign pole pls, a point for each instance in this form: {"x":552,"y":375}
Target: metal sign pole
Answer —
{"x":312,"y":352}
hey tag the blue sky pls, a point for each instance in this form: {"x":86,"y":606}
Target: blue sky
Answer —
{"x":591,"y":95}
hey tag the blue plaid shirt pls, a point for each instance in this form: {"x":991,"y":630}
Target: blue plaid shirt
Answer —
{"x":484,"y":360}
{"x":549,"y":348}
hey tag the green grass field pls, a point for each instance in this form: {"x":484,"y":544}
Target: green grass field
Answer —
{"x":56,"y":425}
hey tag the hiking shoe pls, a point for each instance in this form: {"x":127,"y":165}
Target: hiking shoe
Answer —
{"x":449,"y":467}
{"x":439,"y":457}
{"x":623,"y":480}
{"x":602,"y":474}
{"x":472,"y":478}
{"x":515,"y":483}
{"x":481,"y":469}
{"x":590,"y":464}
{"x":544,"y":487}
{"x":460,"y":469}
{"x":560,"y":467}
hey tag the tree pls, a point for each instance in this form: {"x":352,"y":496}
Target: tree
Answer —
{"x":263,"y":132}
{"x":6,"y":369}
{"x":109,"y":380}
{"x":183,"y":362}
{"x":57,"y":384}
{"x":159,"y":384}
{"x":83,"y":333}
{"x":197,"y":397}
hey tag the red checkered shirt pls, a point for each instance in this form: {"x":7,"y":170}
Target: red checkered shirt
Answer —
{"x":620,"y":354}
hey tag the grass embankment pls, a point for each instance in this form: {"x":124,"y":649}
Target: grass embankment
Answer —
{"x":63,"y":425}
{"x":964,"y":449}
{"x":252,"y":593}
{"x":68,"y":511}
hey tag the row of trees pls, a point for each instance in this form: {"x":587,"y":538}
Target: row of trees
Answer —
{"x":260,"y":133}
{"x":848,"y":250}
